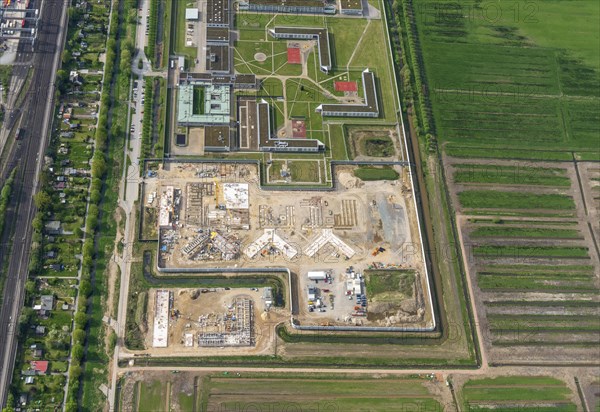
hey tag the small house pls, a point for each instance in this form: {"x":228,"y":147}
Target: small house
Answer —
{"x":53,"y":227}
{"x":40,"y":367}
{"x":47,"y":302}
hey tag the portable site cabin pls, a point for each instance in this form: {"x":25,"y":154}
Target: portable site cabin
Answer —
{"x":317,"y":275}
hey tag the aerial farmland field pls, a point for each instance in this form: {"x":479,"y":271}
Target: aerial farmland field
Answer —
{"x":513,"y":98}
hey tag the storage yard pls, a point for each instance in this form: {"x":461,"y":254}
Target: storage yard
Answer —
{"x":218,"y":216}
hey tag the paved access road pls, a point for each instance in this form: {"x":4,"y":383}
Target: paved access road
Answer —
{"x":28,"y":156}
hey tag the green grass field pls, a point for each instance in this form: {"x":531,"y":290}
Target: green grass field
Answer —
{"x":376,"y":173}
{"x":153,"y":397}
{"x":514,"y":393}
{"x":508,"y":75}
{"x":388,"y":285}
{"x":180,"y":46}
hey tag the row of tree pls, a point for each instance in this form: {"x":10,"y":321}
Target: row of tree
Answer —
{"x":411,"y":57}
{"x":5,"y":197}
{"x":98,"y":172}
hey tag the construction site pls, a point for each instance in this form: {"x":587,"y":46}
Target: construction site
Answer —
{"x":207,"y":319}
{"x":217,"y":216}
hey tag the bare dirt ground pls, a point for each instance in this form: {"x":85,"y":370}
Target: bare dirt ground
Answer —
{"x":214,"y":302}
{"x":364,"y":215}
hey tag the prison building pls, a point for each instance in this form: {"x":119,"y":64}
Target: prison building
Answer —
{"x":217,"y":139}
{"x":237,"y":81}
{"x":218,"y":58}
{"x":215,"y":105}
{"x":217,"y":13}
{"x":305,"y":33}
{"x":288,"y":6}
{"x":369,"y":109}
{"x":255,"y":131}
{"x":351,"y":7}
{"x":217,"y":35}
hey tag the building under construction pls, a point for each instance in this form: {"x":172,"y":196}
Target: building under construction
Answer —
{"x":237,"y":327}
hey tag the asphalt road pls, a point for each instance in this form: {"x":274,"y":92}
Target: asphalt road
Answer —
{"x":28,"y":156}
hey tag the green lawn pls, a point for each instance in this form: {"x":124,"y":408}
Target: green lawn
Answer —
{"x":153,"y":397}
{"x":305,"y":171}
{"x":387,"y":285}
{"x":376,"y":173}
{"x":180,"y":35}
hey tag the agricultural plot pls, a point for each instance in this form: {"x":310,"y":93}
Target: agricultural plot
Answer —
{"x":499,"y":79}
{"x":227,"y":391}
{"x":532,"y":256}
{"x":517,"y":393}
{"x":270,"y":393}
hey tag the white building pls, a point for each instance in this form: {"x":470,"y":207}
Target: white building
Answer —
{"x":317,"y":275}
{"x":192,"y":14}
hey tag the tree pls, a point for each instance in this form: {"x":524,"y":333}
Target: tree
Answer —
{"x":10,"y":403}
{"x":77,"y":352}
{"x":42,"y":200}
{"x":62,"y":81}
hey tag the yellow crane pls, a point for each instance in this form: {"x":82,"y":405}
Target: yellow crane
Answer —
{"x":217,"y":188}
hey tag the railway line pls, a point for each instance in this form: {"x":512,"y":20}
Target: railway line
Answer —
{"x":27,"y":155}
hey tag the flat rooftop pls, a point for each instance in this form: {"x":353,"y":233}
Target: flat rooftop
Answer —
{"x":321,"y":35}
{"x":216,"y":136}
{"x":351,"y":4}
{"x":217,"y":13}
{"x":290,"y":3}
{"x":217,"y":34}
{"x":217,"y":58}
{"x":216,"y":105}
{"x":370,"y":106}
{"x":238,"y":81}
{"x":255,"y":130}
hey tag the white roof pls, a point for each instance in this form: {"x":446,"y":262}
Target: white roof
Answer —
{"x":316,"y":275}
{"x":236,"y":195}
{"x":269,"y":236}
{"x":326,"y":237}
{"x":161,"y":319}
{"x":191,"y":14}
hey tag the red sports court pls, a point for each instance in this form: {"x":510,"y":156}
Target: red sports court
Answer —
{"x":293,"y":55}
{"x":346,"y":87}
{"x":298,"y":129}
